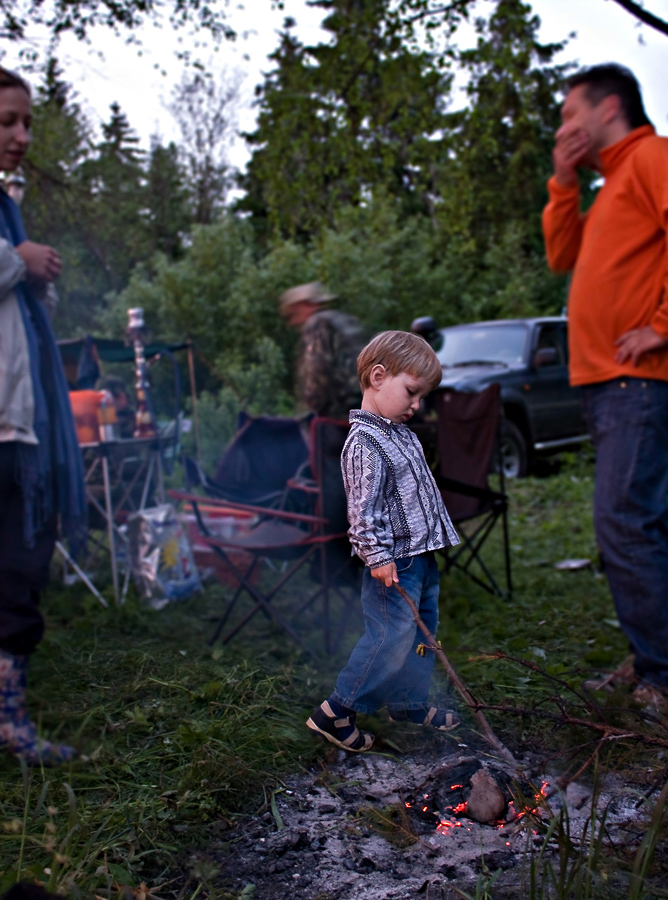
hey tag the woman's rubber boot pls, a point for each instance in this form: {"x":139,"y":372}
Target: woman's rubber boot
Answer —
{"x":18,"y":733}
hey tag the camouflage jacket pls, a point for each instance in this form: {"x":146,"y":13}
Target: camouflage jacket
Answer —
{"x":327,"y":367}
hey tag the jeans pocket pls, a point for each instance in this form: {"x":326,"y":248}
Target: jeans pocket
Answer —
{"x":404,"y":564}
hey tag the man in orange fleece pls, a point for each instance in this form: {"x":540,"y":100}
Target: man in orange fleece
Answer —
{"x":618,"y":333}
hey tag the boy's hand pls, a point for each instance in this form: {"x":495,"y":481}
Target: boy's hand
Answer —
{"x":387,"y":574}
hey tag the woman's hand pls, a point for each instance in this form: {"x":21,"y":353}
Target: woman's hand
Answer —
{"x":42,"y":262}
{"x":387,"y":574}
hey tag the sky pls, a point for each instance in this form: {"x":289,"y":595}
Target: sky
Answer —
{"x":603,"y":32}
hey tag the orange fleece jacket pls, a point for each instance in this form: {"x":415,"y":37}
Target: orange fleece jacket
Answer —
{"x":618,"y":252}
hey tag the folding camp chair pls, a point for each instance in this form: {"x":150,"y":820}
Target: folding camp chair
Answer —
{"x":301,"y":542}
{"x":257,"y":463}
{"x":467,"y":440}
{"x":324,"y":481}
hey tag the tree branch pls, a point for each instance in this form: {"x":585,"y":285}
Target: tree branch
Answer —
{"x":644,"y":15}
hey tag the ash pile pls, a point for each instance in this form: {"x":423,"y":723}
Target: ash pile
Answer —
{"x":379,"y":828}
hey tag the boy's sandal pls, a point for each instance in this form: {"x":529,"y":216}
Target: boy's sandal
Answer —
{"x":340,"y":731}
{"x":441,"y":719}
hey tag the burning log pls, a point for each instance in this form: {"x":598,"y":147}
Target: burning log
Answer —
{"x":486,"y":802}
{"x":454,"y":796}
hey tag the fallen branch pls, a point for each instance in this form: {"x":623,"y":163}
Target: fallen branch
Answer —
{"x":610,"y":732}
{"x":467,"y":697}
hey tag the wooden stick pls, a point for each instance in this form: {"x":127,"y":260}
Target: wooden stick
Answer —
{"x":458,"y":683}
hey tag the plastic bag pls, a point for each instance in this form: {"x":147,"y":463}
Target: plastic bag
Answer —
{"x":161,"y":559}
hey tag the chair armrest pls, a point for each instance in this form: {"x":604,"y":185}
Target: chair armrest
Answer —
{"x":247,"y":507}
{"x":467,"y":490}
{"x":307,"y":485}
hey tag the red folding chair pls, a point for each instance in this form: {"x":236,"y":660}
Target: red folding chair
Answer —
{"x":467,"y":439}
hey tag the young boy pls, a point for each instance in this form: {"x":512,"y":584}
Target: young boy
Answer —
{"x":397,"y":519}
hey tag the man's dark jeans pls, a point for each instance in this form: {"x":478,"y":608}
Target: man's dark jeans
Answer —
{"x":628,"y":422}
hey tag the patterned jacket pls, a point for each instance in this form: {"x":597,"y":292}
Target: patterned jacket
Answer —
{"x":394,"y":507}
{"x":327,"y":368}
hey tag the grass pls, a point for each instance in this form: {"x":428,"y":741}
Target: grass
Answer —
{"x":180,"y":740}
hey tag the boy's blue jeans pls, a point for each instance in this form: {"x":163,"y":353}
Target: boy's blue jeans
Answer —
{"x":384,"y":669}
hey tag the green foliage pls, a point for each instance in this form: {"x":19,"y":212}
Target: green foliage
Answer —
{"x":61,"y":143}
{"x":344,"y":118}
{"x":217,"y":296}
{"x":400,"y":206}
{"x":384,"y":267}
{"x":177,"y":739}
{"x":122,"y":16}
{"x":204,"y":107}
{"x":105,"y":206}
{"x":217,"y":416}
{"x":112,"y":181}
{"x":501,"y":145}
{"x":167,"y":212}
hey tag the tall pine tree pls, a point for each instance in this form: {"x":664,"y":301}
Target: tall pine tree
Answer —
{"x":339,"y":120}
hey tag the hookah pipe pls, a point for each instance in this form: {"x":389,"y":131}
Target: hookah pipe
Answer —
{"x":135,"y":334}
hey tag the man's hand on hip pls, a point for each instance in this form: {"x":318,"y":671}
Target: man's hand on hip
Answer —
{"x":387,"y":574}
{"x":567,"y":154}
{"x":635,"y":343}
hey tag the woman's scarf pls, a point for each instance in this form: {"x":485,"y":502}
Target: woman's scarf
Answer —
{"x":51,"y":472}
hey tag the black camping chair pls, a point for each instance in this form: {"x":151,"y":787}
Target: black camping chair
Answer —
{"x":467,"y":440}
{"x":263,"y":454}
{"x":300,"y":542}
{"x":323,"y":480}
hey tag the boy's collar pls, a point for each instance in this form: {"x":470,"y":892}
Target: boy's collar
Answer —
{"x":373,"y":419}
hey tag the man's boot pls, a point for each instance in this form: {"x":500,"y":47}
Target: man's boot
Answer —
{"x":18,"y":733}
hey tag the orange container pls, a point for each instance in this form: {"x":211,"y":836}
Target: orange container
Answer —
{"x":85,"y":406}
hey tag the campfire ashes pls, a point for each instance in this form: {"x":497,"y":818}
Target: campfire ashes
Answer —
{"x":377,"y":828}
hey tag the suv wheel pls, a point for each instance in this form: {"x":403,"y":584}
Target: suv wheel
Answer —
{"x":514,"y":455}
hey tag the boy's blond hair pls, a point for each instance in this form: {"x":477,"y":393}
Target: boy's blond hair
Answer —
{"x":399,"y":351}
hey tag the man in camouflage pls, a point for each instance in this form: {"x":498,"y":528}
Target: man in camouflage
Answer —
{"x":329,"y":346}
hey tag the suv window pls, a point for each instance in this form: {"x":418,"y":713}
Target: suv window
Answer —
{"x":551,"y":336}
{"x":483,"y":343}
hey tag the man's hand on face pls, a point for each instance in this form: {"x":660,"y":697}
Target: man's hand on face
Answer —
{"x":387,"y":574}
{"x":568,"y":153}
{"x":635,"y":343}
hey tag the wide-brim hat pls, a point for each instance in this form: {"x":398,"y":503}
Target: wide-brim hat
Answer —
{"x":313,"y":292}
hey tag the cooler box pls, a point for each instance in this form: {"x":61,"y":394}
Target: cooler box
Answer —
{"x":85,"y":409}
